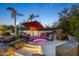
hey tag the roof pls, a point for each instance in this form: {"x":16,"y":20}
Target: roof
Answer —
{"x":34,"y":25}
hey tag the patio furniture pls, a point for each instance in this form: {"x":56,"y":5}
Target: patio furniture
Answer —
{"x":67,"y":49}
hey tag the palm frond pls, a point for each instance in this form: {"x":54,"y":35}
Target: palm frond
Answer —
{"x":33,"y":16}
{"x":11,"y":9}
{"x":36,"y":15}
{"x":20,"y":14}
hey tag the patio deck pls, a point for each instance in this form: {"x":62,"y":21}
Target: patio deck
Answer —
{"x":48,"y":48}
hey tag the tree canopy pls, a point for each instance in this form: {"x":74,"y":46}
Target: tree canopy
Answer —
{"x":69,"y":20}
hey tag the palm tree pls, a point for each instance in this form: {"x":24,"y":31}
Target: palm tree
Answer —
{"x":13,"y":15}
{"x":32,"y":16}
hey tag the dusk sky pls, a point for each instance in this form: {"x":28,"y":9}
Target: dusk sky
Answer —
{"x":47,"y":12}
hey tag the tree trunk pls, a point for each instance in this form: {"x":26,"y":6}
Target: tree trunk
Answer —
{"x":15,"y":27}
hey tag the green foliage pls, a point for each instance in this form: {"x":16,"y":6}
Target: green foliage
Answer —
{"x":69,"y":20}
{"x":64,"y":20}
{"x":3,"y":27}
{"x":10,"y":27}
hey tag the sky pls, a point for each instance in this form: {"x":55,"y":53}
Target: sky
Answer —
{"x":48,"y":12}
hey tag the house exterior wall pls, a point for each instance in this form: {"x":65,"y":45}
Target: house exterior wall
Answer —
{"x":36,"y":33}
